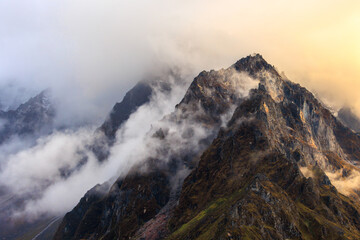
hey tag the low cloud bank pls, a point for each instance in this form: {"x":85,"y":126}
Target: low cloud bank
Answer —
{"x":58,"y":169}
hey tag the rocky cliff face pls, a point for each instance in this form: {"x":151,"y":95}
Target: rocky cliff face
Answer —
{"x":263,"y":159}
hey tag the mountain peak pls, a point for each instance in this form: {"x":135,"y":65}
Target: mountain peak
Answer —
{"x":40,"y":102}
{"x":33,"y":116}
{"x":253,"y":58}
{"x":253,"y":64}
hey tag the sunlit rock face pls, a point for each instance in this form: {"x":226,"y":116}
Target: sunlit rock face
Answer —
{"x":253,"y":156}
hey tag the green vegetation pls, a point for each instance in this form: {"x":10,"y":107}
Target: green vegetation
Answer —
{"x":208,"y":221}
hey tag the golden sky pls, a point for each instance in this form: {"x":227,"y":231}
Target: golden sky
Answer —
{"x":316,"y":43}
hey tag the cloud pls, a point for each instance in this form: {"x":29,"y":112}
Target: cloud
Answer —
{"x":37,"y":171}
{"x":14,"y":145}
{"x":33,"y":168}
{"x":2,"y":123}
{"x":346,"y":184}
{"x":40,"y":171}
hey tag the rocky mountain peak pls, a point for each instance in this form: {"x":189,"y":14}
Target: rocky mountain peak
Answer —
{"x":253,"y":64}
{"x":40,"y":103}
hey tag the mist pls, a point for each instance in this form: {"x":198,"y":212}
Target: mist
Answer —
{"x":348,"y":185}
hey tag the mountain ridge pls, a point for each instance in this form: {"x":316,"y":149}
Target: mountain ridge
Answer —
{"x":276,"y":150}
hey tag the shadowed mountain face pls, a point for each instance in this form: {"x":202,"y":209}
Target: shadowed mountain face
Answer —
{"x":270,"y":164}
{"x":137,"y":96}
{"x":31,"y":118}
{"x":349,"y":119}
{"x":105,"y":136}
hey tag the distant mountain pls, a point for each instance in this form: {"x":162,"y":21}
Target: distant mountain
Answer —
{"x":349,"y":119}
{"x":30,"y":118}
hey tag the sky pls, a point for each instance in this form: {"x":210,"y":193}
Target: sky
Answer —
{"x":91,"y":52}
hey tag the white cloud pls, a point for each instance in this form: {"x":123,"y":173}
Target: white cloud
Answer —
{"x":35,"y":170}
{"x":31,"y":169}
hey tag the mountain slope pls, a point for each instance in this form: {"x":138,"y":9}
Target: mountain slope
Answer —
{"x":249,"y":183}
{"x":262,"y":165}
